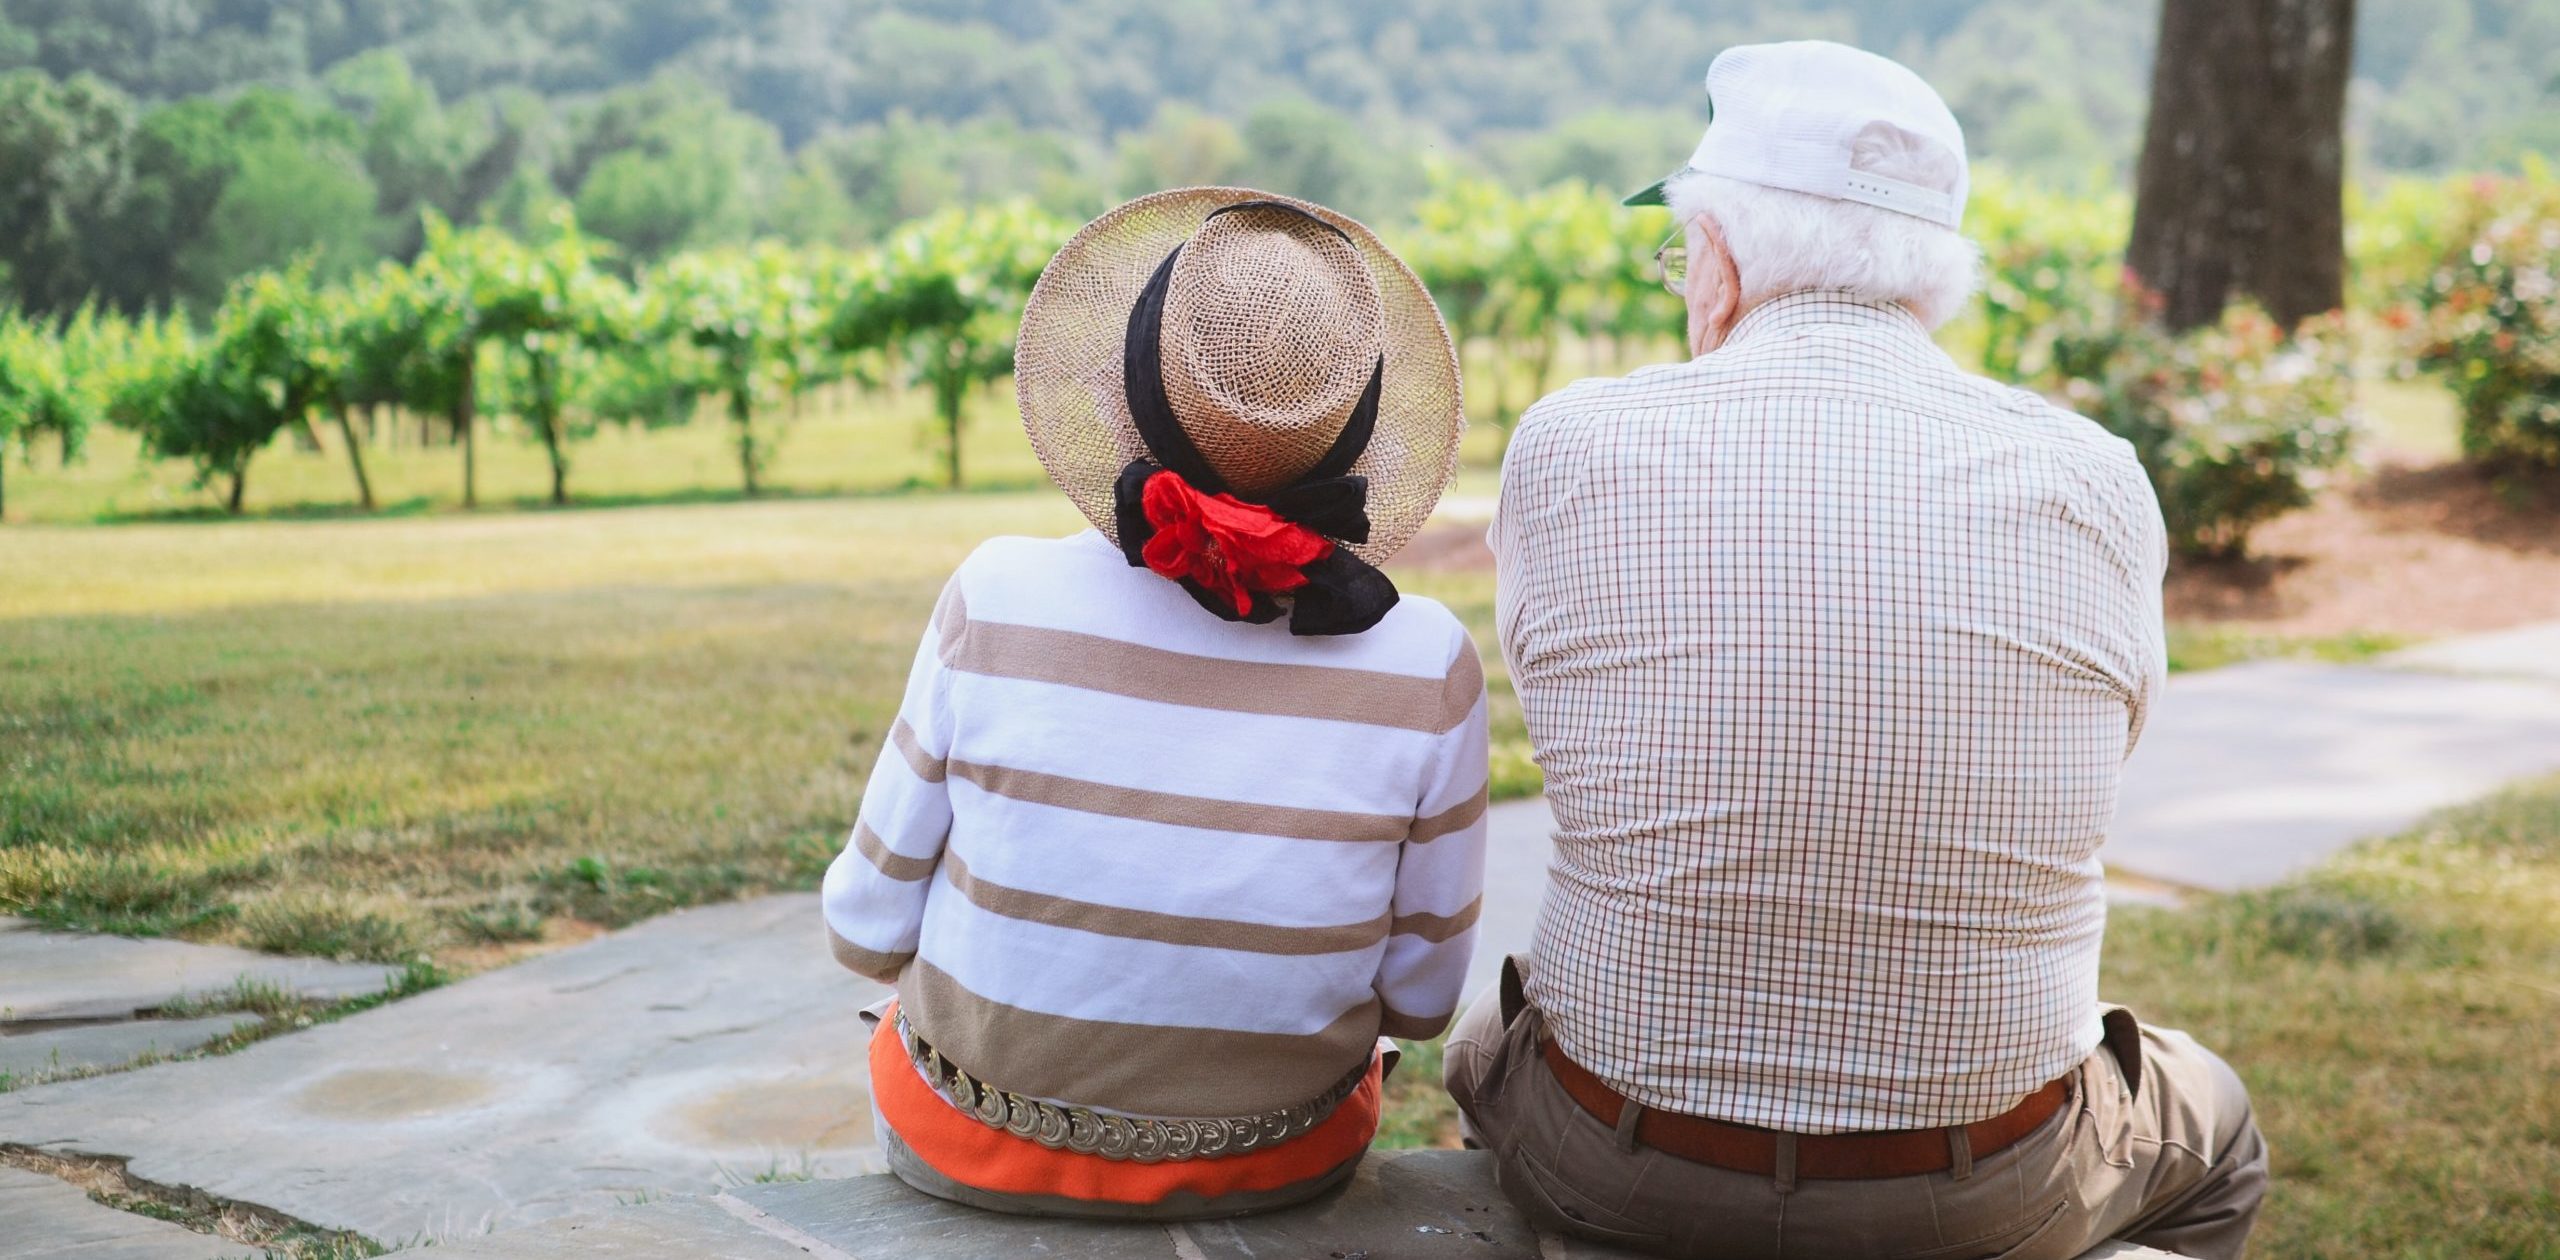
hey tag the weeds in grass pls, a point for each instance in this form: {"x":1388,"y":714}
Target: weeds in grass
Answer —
{"x":330,"y":924}
{"x":775,"y":1172}
{"x":506,"y":922}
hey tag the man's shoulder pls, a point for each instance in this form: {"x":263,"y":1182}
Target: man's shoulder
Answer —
{"x":1661,"y":384}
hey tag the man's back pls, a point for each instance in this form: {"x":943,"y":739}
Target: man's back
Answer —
{"x":1832,"y":654}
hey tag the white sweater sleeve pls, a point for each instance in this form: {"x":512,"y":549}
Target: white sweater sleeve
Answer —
{"x":1440,"y":874}
{"x":874,"y":891}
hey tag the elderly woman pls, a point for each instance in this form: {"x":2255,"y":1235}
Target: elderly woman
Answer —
{"x":1181,"y":813}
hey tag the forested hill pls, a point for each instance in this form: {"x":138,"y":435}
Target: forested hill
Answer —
{"x":2041,"y":83}
{"x":153,"y":151}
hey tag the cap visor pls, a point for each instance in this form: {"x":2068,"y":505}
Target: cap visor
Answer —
{"x":1652,"y":196}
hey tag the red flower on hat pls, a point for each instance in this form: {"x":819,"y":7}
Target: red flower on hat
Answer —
{"x":1234,"y":548}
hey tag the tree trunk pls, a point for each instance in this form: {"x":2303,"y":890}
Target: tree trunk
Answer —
{"x":546,"y":419}
{"x":2241,"y":185}
{"x":355,"y":457}
{"x":742,"y":413}
{"x":465,"y":404}
{"x":239,"y":488}
{"x":951,"y":396}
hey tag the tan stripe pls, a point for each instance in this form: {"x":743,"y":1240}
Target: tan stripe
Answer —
{"x":1096,"y":663}
{"x":868,"y":962}
{"x":1395,"y":1023}
{"x":895,"y":865}
{"x":926,"y":766}
{"x":1151,"y":925}
{"x":1436,"y":928}
{"x":950,"y":618}
{"x":1457,"y":817}
{"x":1207,"y":813}
{"x":1198,"y":1073}
{"x":1464,"y":688}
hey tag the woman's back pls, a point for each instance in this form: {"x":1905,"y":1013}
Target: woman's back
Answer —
{"x":1194,"y":867}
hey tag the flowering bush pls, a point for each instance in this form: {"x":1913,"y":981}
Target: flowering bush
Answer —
{"x":2488,"y":319}
{"x":2050,"y":261}
{"x":2236,"y":422}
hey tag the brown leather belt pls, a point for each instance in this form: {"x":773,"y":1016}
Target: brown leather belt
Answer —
{"x":1834,"y":1156}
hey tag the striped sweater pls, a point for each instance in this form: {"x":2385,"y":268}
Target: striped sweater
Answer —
{"x":1122,"y":854}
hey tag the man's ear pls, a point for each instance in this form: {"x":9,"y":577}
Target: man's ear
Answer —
{"x":1728,"y":305}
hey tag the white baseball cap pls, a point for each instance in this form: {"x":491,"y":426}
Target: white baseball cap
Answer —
{"x":1807,"y":116}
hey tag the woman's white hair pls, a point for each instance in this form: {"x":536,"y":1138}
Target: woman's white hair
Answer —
{"x":1790,"y":242}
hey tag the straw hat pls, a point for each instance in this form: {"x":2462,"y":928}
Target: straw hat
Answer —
{"x":1274,"y":321}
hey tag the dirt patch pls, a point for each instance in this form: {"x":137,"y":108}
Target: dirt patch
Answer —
{"x":2408,"y":551}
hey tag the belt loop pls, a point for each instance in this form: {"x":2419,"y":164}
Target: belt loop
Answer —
{"x":1629,"y":1112}
{"x":1786,"y":1170}
{"x":1960,"y":1150}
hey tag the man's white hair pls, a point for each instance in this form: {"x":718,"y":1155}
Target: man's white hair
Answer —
{"x":1790,"y":242}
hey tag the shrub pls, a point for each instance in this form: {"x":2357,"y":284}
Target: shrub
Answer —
{"x":2050,"y":261}
{"x":2235,"y":422}
{"x":2488,"y":319}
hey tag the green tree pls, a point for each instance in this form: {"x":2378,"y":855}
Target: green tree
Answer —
{"x":945,"y":294}
{"x":552,"y":309}
{"x":432,"y":319}
{"x":65,"y":174}
{"x":1516,"y":273}
{"x":264,"y":368}
{"x":40,"y":392}
{"x":752,"y":320}
{"x":670,"y":165}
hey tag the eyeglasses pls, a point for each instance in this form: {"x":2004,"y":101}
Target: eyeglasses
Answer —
{"x":1673,"y":261}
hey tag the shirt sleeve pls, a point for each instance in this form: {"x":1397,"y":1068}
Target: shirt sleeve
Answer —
{"x":1440,"y":870}
{"x":2147,"y":549}
{"x":874,"y":892}
{"x":1541,"y":470}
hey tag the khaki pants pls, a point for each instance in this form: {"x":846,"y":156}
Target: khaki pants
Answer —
{"x":2155,"y":1147}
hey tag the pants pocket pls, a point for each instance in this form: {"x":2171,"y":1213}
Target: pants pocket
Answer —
{"x":1552,"y":1202}
{"x":2018,"y":1239}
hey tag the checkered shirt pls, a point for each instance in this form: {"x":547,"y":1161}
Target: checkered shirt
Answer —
{"x":1832,"y":654}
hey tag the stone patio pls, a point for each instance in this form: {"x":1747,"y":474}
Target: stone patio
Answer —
{"x":697,"y":1049}
{"x":1402,"y":1205}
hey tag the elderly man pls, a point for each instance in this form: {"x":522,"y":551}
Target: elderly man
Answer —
{"x":1832,"y":654}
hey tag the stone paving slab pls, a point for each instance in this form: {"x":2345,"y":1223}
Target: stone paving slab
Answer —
{"x":57,"y":1049}
{"x":698,"y":1048}
{"x":65,"y":975}
{"x":1402,"y":1205}
{"x":45,"y":1218}
{"x":2524,"y":652}
{"x":2255,"y":772}
{"x":688,"y":1228}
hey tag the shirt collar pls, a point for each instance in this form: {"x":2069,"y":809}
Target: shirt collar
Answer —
{"x":1794,"y":312}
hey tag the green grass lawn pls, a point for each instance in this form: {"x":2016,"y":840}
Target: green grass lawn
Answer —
{"x":377,"y":738}
{"x":2396,"y":1015}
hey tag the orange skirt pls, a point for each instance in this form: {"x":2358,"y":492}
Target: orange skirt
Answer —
{"x":960,"y":1147}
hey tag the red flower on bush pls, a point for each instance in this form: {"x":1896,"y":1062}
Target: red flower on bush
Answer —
{"x":1225,"y":544}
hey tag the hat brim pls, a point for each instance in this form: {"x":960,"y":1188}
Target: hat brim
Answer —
{"x":1068,"y":364}
{"x":1654,"y":195}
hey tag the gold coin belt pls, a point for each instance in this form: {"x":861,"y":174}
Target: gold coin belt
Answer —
{"x":1111,"y":1135}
